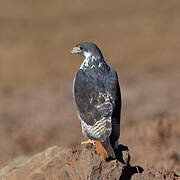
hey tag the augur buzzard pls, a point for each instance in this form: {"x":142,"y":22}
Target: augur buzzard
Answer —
{"x":97,"y":95}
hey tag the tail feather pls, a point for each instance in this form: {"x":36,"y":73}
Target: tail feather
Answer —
{"x":107,"y":146}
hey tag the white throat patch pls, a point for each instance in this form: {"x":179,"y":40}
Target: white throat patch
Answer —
{"x":87,"y":54}
{"x":86,"y":60}
{"x":90,"y":62}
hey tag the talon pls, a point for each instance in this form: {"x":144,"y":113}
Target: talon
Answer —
{"x":89,"y":141}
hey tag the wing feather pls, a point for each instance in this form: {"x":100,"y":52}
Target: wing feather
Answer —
{"x":95,"y":100}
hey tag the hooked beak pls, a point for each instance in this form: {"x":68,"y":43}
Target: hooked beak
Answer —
{"x":76,"y":50}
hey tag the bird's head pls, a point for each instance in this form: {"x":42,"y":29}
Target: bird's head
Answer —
{"x":87,"y":49}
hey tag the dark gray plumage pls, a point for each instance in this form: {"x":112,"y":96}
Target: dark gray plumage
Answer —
{"x":97,"y":95}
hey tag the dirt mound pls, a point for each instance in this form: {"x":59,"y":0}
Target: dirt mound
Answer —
{"x":79,"y":163}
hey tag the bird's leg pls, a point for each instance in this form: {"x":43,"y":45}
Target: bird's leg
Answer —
{"x":89,"y":141}
{"x":99,"y":148}
{"x":101,"y":151}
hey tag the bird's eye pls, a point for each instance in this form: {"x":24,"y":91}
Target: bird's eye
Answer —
{"x":81,"y":48}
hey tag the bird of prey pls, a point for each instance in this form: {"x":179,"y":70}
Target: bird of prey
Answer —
{"x":97,"y":95}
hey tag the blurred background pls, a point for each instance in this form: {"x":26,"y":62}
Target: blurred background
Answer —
{"x":139,"y":39}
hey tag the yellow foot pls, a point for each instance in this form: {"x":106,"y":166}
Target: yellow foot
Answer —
{"x":101,"y":151}
{"x":89,"y":141}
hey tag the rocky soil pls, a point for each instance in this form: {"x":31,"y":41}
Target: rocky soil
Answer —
{"x":82,"y":163}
